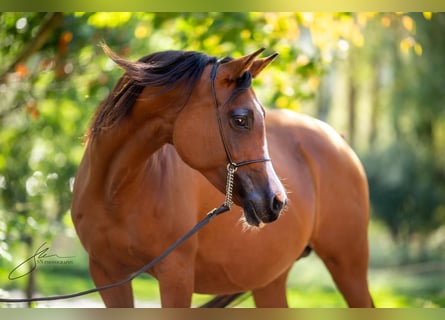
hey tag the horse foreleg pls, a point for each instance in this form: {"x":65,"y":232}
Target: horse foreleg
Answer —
{"x":351,"y":280}
{"x":176,"y":283}
{"x":118,"y":297}
{"x":273,"y":295}
{"x":347,"y":262}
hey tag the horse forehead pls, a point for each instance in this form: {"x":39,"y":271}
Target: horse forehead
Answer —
{"x":252,"y":100}
{"x":259,"y":105}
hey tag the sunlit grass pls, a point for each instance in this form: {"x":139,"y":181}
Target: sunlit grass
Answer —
{"x":418,"y":284}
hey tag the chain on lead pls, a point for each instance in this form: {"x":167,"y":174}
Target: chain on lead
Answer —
{"x":229,"y":185}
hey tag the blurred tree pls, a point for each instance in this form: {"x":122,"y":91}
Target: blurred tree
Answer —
{"x":405,"y":161}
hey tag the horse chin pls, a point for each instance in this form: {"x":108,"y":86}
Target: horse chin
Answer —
{"x":249,"y":227}
{"x":251,"y":219}
{"x":256,"y":217}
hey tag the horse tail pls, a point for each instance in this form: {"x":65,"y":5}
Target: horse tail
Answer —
{"x":222,"y":301}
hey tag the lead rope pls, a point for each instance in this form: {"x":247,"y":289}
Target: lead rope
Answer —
{"x":148,"y":266}
{"x":228,"y":202}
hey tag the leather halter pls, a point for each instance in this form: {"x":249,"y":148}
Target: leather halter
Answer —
{"x":231,"y":163}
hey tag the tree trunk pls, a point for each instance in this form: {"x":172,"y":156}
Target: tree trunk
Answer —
{"x":352,"y":103}
{"x":375,"y":104}
{"x":31,"y":284}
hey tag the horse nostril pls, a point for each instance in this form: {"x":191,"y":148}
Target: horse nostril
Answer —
{"x":277,"y":204}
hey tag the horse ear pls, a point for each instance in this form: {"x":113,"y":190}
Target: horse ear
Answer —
{"x":260,"y":64}
{"x":235,"y":68}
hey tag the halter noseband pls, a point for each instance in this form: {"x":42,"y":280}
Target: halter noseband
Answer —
{"x":232,"y":166}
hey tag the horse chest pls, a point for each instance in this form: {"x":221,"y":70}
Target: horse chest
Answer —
{"x":238,"y":259}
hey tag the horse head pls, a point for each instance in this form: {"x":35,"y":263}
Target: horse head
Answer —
{"x":222,"y":126}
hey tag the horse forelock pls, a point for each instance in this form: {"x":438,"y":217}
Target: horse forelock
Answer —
{"x":162,"y":70}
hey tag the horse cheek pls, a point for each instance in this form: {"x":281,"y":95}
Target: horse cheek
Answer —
{"x":192,"y":138}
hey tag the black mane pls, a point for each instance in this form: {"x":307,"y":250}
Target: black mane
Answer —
{"x":165,"y":70}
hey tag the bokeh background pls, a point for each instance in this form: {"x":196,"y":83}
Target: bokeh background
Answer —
{"x":378,"y":78}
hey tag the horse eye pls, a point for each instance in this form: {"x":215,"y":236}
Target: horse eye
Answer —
{"x":241,"y":122}
{"x":241,"y":119}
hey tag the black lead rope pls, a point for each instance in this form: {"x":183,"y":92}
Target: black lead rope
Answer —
{"x":223,"y":208}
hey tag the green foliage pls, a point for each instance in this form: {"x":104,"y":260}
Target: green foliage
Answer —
{"x":406,"y":172}
{"x":48,"y":101}
{"x":404,"y":190}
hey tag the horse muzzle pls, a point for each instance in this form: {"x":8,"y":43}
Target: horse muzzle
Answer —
{"x":262,"y":200}
{"x":259,"y":211}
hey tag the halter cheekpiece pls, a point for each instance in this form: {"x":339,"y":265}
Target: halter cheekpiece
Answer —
{"x":232,"y":166}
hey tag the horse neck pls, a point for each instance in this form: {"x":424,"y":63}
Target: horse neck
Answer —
{"x":118,"y":153}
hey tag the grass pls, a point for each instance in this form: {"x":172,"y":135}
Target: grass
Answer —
{"x":311,"y":286}
{"x":393,"y":284}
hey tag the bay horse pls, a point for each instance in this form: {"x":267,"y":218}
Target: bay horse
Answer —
{"x":155,"y":162}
